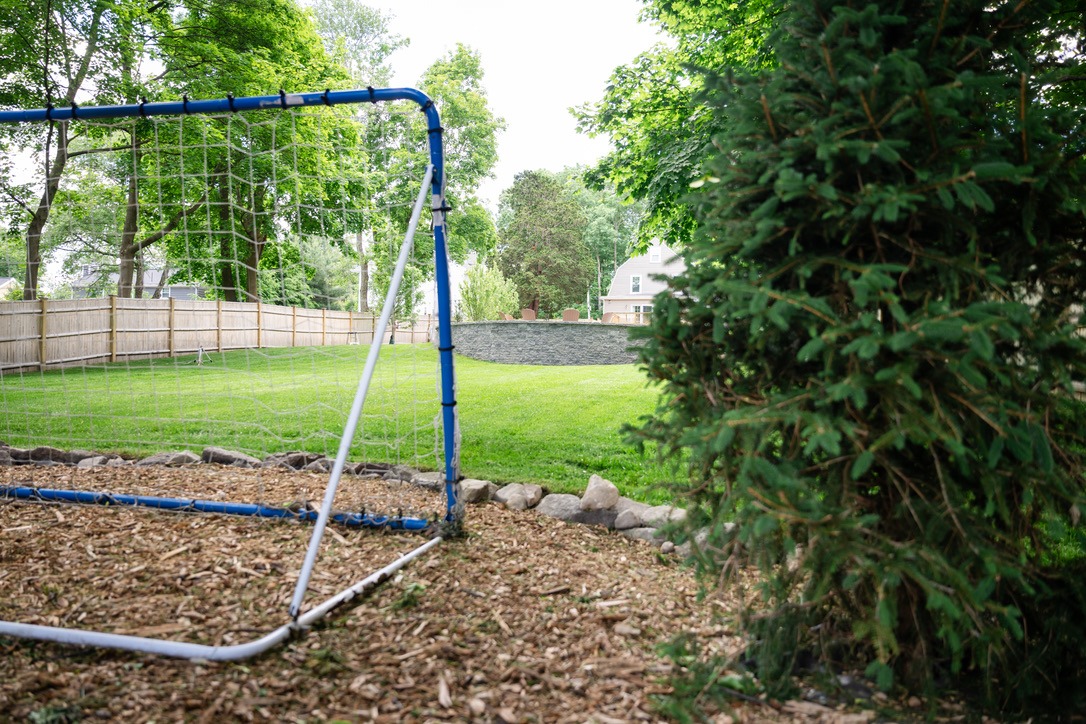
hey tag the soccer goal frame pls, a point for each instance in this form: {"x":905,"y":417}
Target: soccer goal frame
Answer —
{"x":433,"y":191}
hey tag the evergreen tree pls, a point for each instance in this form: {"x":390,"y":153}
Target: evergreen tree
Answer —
{"x":869,"y":360}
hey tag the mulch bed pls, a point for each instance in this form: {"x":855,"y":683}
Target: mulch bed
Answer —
{"x":525,"y":619}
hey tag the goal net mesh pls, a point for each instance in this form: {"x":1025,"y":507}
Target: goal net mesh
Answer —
{"x":215,"y":281}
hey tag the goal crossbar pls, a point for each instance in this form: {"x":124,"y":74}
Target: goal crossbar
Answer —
{"x":434,"y":183}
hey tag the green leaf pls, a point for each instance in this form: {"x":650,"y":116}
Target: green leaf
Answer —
{"x":810,"y":350}
{"x":764,"y":525}
{"x":862,"y":464}
{"x":982,"y":345}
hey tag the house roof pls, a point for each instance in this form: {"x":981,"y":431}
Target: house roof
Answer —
{"x":669,"y":265}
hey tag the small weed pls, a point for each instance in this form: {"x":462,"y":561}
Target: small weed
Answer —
{"x":57,"y":714}
{"x":409,"y":598}
{"x":701,"y":683}
{"x":325,"y":661}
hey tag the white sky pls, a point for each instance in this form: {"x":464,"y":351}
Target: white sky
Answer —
{"x":539,"y":59}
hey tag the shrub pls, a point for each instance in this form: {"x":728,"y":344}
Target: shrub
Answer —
{"x":870,"y":355}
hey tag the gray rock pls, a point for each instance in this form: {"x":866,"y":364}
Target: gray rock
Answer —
{"x":661,"y":515}
{"x":634,"y":506}
{"x":430,"y":480}
{"x":5,"y":457}
{"x":599,"y":495}
{"x":320,"y":465}
{"x":474,"y":491}
{"x":534,"y":493}
{"x":402,"y":473}
{"x":627,"y":519}
{"x":513,"y":496}
{"x":606,"y":518}
{"x":560,"y":505}
{"x":507,"y":491}
{"x":46,"y":454}
{"x":119,"y":462}
{"x":516,"y":501}
{"x":493,"y":489}
{"x":93,"y":462}
{"x":645,"y":534}
{"x":295,"y":460}
{"x":370,"y":468}
{"x":667,"y":547}
{"x":229,"y":457}
{"x":169,"y":459}
{"x":18,"y":454}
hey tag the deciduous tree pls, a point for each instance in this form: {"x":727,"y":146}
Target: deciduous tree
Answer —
{"x":541,"y":247}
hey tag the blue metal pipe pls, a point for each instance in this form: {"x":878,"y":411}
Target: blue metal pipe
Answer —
{"x":87,"y":497}
{"x":225,"y":105}
{"x":450,"y":416}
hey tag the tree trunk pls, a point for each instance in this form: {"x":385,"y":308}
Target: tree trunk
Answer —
{"x":41,"y":215}
{"x":256,"y":242}
{"x":141,"y":269}
{"x":226,"y":256}
{"x":363,"y":273}
{"x":52,"y":180}
{"x":161,"y":282}
{"x":126,"y":255}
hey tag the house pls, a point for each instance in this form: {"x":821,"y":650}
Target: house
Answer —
{"x":635,"y":284}
{"x":8,"y":285}
{"x":88,"y":285}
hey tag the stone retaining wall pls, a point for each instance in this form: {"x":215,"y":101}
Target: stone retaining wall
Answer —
{"x":545,"y":342}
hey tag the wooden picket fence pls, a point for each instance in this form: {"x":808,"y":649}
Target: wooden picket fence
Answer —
{"x":48,"y":334}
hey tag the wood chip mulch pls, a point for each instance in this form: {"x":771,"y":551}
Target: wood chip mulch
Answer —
{"x":525,"y":619}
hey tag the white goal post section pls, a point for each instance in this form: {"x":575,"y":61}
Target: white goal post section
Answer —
{"x":431,"y":191}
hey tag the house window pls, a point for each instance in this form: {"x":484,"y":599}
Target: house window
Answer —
{"x":654,"y":256}
{"x":642,"y":313}
{"x":635,"y":284}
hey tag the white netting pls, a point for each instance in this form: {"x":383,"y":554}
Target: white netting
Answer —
{"x":215,"y":280}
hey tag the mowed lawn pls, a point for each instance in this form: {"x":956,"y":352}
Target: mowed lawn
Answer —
{"x":549,"y":425}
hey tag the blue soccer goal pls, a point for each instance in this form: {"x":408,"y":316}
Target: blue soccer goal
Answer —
{"x":214,"y":249}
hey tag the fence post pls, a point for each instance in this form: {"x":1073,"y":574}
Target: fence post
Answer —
{"x":112,"y":327}
{"x":322,"y":328}
{"x":293,"y":326}
{"x":259,"y":324}
{"x":218,"y":324}
{"x":42,"y":331}
{"x":170,"y":333}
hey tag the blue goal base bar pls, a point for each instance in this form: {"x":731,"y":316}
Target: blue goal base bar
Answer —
{"x":183,"y":505}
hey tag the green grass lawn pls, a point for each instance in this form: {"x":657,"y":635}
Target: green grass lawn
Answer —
{"x":549,"y":425}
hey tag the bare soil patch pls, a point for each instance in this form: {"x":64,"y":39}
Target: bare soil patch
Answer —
{"x":524,"y":619}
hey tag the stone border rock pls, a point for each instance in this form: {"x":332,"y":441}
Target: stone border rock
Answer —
{"x":601,"y":503}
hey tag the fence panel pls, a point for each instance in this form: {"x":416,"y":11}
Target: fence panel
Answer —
{"x":61,"y":333}
{"x":195,"y":326}
{"x":143,"y":328}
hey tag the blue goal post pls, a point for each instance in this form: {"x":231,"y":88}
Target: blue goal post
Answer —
{"x":447,"y":434}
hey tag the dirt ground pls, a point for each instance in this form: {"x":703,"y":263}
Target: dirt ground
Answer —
{"x":526,"y":619}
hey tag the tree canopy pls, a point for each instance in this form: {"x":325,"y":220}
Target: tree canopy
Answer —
{"x":652,"y":108}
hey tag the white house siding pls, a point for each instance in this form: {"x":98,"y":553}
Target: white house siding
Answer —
{"x":633,"y":306}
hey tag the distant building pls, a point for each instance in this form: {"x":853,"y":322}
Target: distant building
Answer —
{"x":88,"y":285}
{"x":7,"y":285}
{"x":634,"y":285}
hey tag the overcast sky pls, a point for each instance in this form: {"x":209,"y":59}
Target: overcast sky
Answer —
{"x":539,"y":59}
